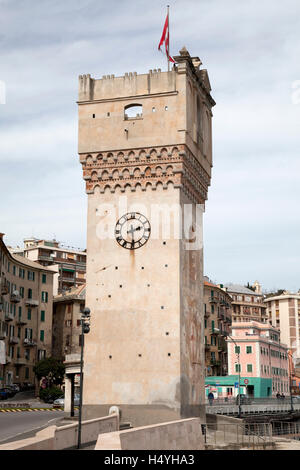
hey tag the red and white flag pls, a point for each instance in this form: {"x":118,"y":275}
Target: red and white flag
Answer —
{"x":165,"y":38}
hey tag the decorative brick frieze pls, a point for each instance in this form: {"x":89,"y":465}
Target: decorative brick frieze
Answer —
{"x":146,"y":169}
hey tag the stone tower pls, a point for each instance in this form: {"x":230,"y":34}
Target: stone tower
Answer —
{"x":145,"y":146}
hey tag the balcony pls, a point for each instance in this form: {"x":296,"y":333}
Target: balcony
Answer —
{"x":207,"y":346}
{"x":213,"y":300}
{"x":8,"y":359}
{"x":68,"y":279}
{"x":13,"y":340}
{"x":213,"y":362}
{"x":9,"y":316}
{"x":20,"y":361}
{"x":45,"y":258}
{"x":31,"y":303}
{"x":15,"y":298}
{"x":29,"y":343}
{"x":21,"y":322}
{"x":4,"y":289}
{"x":3,"y":335}
{"x":214,"y":331}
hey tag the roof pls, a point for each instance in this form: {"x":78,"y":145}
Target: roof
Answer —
{"x":238,"y":289}
{"x":283,"y":297}
{"x":31,"y":264}
{"x":56,"y":248}
{"x":21,"y":259}
{"x":76,"y":293}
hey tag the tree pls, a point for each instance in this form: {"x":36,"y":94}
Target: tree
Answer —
{"x":250,"y":287}
{"x":52,"y":369}
{"x":275,"y":294}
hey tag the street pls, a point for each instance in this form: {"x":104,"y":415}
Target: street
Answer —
{"x":24,"y":424}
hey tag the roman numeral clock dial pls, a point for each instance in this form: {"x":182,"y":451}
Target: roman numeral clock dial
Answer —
{"x":132,"y":230}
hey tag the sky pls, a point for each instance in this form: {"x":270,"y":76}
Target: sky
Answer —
{"x":251,"y":50}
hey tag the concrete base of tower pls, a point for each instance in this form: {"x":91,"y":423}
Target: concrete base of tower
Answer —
{"x":145,"y":415}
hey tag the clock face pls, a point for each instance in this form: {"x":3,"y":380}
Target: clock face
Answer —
{"x":132,"y":230}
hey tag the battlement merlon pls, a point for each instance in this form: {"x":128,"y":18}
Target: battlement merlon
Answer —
{"x":155,"y":82}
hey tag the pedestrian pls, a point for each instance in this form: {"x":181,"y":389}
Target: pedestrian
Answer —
{"x":211,"y":398}
{"x":278,"y":396}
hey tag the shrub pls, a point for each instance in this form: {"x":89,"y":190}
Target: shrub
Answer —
{"x":52,"y":393}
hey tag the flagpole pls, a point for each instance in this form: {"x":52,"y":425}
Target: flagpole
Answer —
{"x":168,"y":12}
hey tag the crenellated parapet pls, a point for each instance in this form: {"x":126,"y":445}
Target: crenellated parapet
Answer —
{"x":147,"y":168}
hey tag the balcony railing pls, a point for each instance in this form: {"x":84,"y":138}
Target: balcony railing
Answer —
{"x":15,"y":298}
{"x":9,"y":316}
{"x":20,"y":361}
{"x":214,"y":362}
{"x":3,"y":335}
{"x":8,"y":359}
{"x":4,"y":288}
{"x":215,"y":331}
{"x":13,"y":340}
{"x":31,"y":303}
{"x":21,"y":322}
{"x":29,"y":343}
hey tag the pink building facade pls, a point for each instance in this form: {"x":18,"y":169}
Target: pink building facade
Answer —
{"x":261,"y":356}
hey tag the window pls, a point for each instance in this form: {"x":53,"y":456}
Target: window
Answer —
{"x":237,"y":349}
{"x":29,"y":293}
{"x":42,"y":315}
{"x":238,"y":368}
{"x":45,"y":297}
{"x":22,"y":292}
{"x":27,"y":373}
{"x":133,"y":111}
{"x":42,"y":335}
{"x":44,"y":278}
{"x":21,"y":273}
{"x":30,"y":275}
{"x":249,"y":367}
{"x":249,"y":349}
{"x":41,"y":354}
{"x":29,"y":314}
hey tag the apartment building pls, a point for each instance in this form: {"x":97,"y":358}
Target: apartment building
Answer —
{"x":25,"y":316}
{"x":247,"y":304}
{"x":284,"y":313}
{"x":256,"y":352}
{"x":68,"y":261}
{"x":66,"y":333}
{"x":217,"y":321}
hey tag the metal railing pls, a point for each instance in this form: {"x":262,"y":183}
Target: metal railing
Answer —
{"x":254,"y":435}
{"x":286,"y":428}
{"x":253,"y":406}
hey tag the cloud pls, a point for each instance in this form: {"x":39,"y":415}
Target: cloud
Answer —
{"x":251,"y":50}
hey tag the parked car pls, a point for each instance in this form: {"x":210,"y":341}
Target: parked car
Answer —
{"x":8,"y":393}
{"x":245,"y":400}
{"x":14,"y":388}
{"x":296,"y":399}
{"x":3,"y":394}
{"x":61,"y":401}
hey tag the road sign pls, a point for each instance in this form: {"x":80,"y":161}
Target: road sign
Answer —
{"x":236,"y":385}
{"x":246,"y":381}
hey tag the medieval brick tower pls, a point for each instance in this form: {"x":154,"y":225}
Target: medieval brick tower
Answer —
{"x":145,"y":145}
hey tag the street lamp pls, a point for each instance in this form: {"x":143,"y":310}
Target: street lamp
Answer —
{"x":85,"y":328}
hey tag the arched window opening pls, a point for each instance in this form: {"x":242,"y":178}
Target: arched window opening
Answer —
{"x":133,"y":111}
